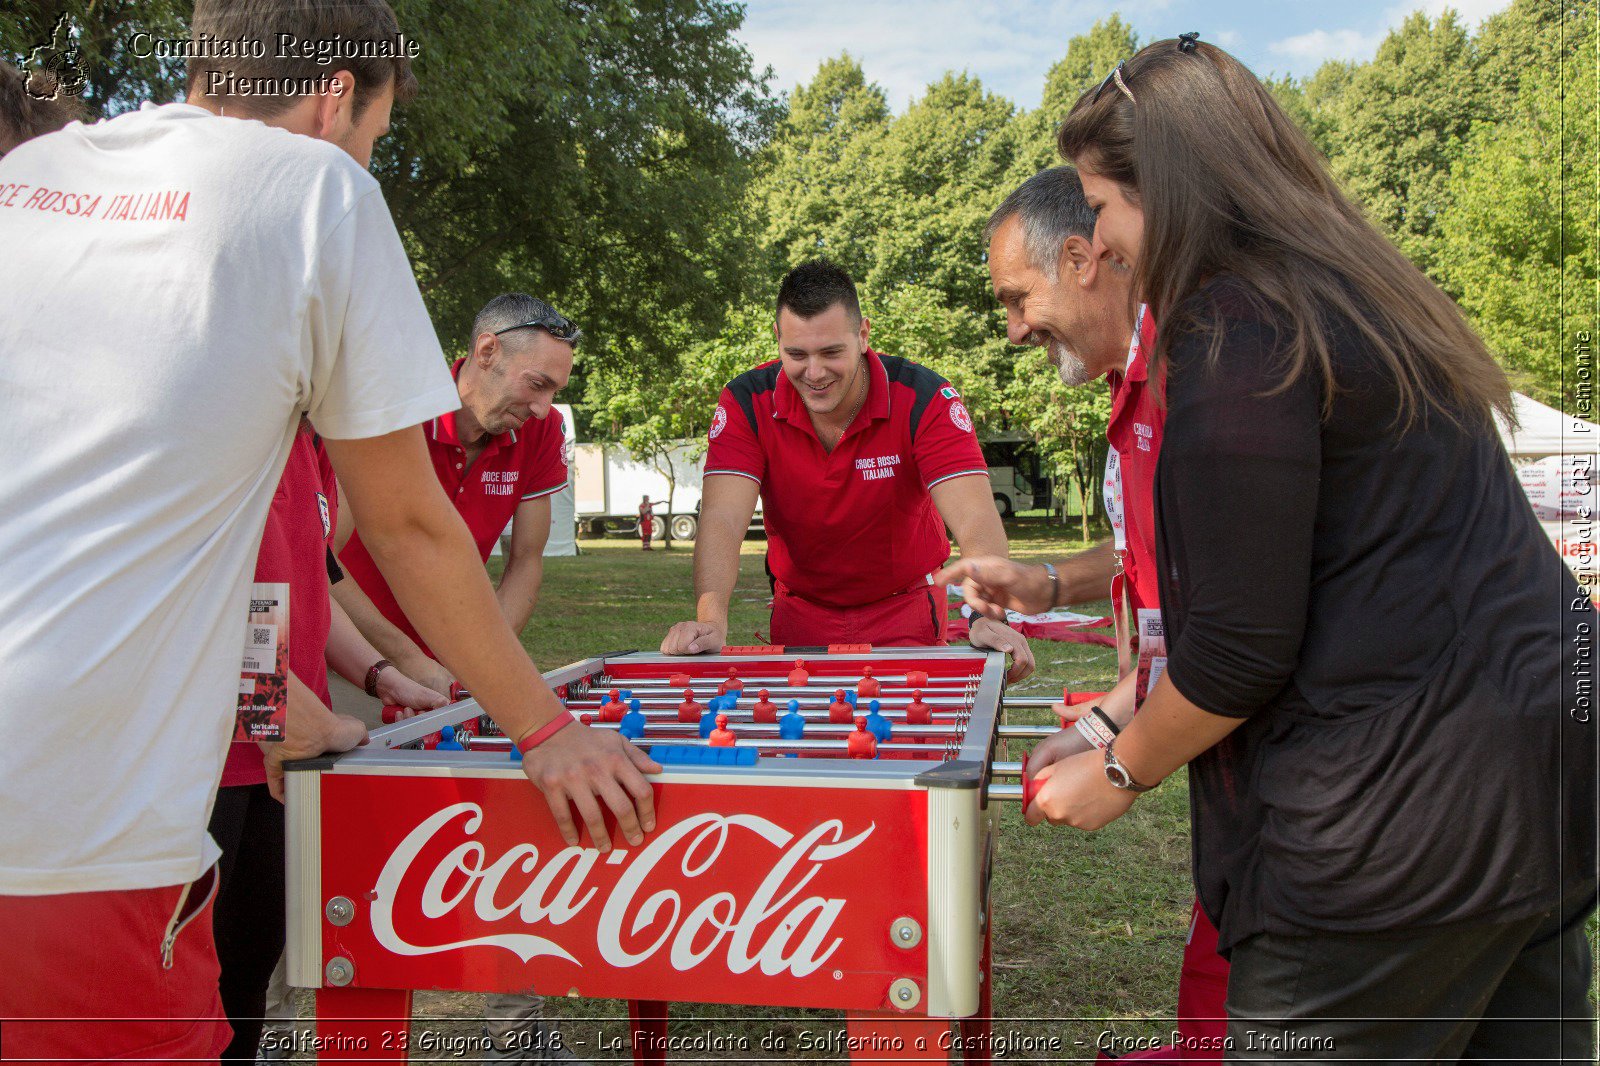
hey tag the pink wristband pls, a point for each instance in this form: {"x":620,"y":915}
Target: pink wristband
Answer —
{"x":544,"y":732}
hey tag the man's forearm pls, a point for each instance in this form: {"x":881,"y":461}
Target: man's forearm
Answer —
{"x":716,"y":571}
{"x":433,"y":567}
{"x":518,"y":591}
{"x":350,"y":654}
{"x":1087,"y":575}
{"x":382,"y":634}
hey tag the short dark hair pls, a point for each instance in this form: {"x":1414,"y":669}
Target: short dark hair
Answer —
{"x":366,"y":27}
{"x":813,"y":287}
{"x":1051,"y":208}
{"x":24,"y":116}
{"x":512,"y":309}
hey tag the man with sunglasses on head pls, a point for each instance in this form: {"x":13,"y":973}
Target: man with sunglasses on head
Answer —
{"x":500,"y":458}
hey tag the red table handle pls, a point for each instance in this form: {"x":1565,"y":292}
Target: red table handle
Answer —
{"x":1030,"y":787}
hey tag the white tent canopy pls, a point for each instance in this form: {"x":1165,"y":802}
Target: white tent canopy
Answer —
{"x":563,"y":511}
{"x":1546,"y":431}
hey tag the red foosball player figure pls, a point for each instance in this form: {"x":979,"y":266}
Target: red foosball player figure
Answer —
{"x":868,"y":686}
{"x":764,"y":711}
{"x":799,"y":676}
{"x":839,"y":711}
{"x":917,"y":712}
{"x":722,"y":736}
{"x":613,"y":710}
{"x":733,"y":684}
{"x":861,"y":744}
{"x":689,"y":710}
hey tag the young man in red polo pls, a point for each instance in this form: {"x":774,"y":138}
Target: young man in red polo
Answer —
{"x":500,"y":458}
{"x":1061,"y":290}
{"x":861,"y":461}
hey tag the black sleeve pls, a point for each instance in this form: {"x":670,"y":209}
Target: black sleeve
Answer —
{"x":1239,"y":467}
{"x":335,"y":571}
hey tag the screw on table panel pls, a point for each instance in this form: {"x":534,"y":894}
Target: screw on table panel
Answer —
{"x":340,"y":910}
{"x":340,"y":972}
{"x":905,"y":932}
{"x":904,"y":993}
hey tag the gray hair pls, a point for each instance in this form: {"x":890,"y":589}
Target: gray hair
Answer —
{"x":1052,"y":208}
{"x":513,"y":309}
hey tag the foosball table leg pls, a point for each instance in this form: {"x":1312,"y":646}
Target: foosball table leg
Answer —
{"x":363,"y":1024}
{"x":648,"y":1018}
{"x":888,"y":1036}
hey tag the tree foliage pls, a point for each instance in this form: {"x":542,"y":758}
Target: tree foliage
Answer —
{"x":1518,"y":239}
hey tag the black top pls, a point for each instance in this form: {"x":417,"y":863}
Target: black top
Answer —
{"x":1409,"y":649}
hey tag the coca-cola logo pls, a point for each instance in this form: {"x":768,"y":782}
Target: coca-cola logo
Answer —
{"x":523,"y":897}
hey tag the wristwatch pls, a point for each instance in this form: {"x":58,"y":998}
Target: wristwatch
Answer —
{"x":1118,"y":774}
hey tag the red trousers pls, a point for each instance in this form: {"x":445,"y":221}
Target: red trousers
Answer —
{"x":83,"y":976}
{"x":913,"y":616}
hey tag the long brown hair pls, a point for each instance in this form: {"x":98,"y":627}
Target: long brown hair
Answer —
{"x":1229,"y":184}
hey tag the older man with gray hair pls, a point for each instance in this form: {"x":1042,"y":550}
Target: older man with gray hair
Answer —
{"x":1062,"y":289}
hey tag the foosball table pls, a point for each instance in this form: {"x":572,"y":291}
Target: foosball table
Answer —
{"x":825,"y":829}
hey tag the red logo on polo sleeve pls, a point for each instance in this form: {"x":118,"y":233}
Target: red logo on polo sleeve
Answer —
{"x":958,"y":415}
{"x":718,"y":422}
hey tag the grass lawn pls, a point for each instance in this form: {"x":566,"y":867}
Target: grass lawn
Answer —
{"x":1089,"y":928}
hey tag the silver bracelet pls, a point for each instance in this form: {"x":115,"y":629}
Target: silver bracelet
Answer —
{"x":1055,"y":584}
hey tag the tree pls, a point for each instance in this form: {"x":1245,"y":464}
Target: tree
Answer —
{"x":1088,"y":59}
{"x":1399,"y":125}
{"x":817,"y":188}
{"x":655,"y":416}
{"x":583,"y":150}
{"x":1519,"y":234}
{"x":1069,"y":425}
{"x":938,"y":166}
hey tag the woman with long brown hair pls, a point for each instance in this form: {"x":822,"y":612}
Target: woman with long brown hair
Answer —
{"x":1380,"y":671}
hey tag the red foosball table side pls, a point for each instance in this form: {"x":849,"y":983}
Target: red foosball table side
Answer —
{"x":855,"y":885}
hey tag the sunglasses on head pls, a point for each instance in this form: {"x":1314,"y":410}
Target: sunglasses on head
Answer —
{"x":558,"y":326}
{"x":1186,"y":43}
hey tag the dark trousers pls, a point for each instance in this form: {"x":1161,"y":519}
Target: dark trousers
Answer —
{"x":1474,"y":992}
{"x":247,"y":824}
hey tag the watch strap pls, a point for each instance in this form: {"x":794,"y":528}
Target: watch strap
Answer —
{"x":372,"y":676}
{"x":1118,"y":774}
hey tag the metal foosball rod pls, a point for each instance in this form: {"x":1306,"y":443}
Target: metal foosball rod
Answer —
{"x":761,"y":744}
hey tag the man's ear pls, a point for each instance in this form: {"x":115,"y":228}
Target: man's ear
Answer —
{"x":336,"y":108}
{"x":1078,"y":260}
{"x":866,"y":331}
{"x":484,"y":350}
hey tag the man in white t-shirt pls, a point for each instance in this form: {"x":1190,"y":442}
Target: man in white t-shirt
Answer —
{"x":179,"y":288}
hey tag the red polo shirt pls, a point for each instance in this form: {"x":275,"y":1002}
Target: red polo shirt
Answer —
{"x":294,"y":551}
{"x":1134,"y":433}
{"x":515,"y":466}
{"x":858,"y":524}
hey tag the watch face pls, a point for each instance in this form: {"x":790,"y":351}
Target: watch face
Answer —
{"x":1117,"y":775}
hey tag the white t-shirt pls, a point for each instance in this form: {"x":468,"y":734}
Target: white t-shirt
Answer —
{"x":175,"y":289}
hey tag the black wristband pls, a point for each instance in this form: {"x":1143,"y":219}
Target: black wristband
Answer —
{"x":1106,"y":718}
